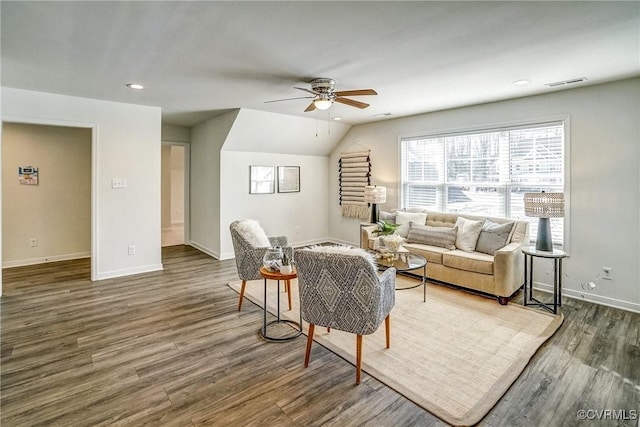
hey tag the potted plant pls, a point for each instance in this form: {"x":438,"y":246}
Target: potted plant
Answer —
{"x":285,"y":268}
{"x":385,"y":228}
{"x":391,"y":241}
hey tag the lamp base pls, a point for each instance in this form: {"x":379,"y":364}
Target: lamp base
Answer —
{"x":544,"y":241}
{"x":374,"y":213}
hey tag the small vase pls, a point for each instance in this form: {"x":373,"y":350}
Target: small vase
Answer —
{"x":286,"y":269}
{"x":272,"y":259}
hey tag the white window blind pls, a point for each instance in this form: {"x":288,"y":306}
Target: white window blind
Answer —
{"x":485,"y":172}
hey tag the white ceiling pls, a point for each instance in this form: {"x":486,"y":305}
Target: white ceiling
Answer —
{"x":200,"y":59}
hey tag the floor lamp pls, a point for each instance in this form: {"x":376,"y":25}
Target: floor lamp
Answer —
{"x":544,"y":206}
{"x":375,"y":195}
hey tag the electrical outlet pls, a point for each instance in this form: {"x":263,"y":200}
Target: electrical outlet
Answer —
{"x":33,"y":242}
{"x":132,"y":250}
{"x":606,"y":273}
{"x":119,"y":183}
{"x":297,"y":229}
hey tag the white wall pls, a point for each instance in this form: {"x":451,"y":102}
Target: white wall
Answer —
{"x":302,"y":217}
{"x":173,"y":133}
{"x":206,"y":142}
{"x":57,"y":211}
{"x":126,"y":144}
{"x":604,"y":180}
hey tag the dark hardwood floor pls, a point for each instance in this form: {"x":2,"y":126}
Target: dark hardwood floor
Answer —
{"x":170,"y":348}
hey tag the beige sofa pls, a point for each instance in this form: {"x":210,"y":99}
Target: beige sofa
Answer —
{"x":500,"y":274}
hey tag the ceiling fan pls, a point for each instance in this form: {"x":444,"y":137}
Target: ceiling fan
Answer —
{"x":324,"y":95}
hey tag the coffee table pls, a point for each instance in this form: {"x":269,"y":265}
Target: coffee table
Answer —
{"x":404,"y":261}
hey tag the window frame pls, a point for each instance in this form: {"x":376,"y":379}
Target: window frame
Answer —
{"x":564,"y":120}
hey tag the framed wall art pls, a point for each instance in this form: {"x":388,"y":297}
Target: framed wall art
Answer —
{"x":288,"y":179}
{"x":262,"y":179}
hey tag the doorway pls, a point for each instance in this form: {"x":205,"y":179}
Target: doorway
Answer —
{"x":47,"y":193}
{"x":175,"y":193}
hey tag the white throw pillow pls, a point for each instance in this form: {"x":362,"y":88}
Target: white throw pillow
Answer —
{"x":344,"y":250}
{"x":252,"y":232}
{"x":404,"y":218}
{"x":468,"y":233}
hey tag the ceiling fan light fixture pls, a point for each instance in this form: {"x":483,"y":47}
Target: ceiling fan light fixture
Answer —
{"x":322,"y":104}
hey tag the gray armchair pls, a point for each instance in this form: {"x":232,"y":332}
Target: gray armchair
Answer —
{"x":344,"y":292}
{"x":249,"y":257}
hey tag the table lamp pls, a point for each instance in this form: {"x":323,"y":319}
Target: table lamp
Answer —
{"x":544,"y":206}
{"x":375,"y":195}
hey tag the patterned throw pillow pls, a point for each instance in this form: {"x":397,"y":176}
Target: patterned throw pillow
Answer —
{"x":493,"y":236}
{"x":388,"y":216}
{"x":443,"y":237}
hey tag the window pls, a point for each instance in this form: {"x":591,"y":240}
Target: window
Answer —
{"x":485,"y":172}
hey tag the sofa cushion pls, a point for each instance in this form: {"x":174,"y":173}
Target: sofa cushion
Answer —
{"x":493,"y":237}
{"x":443,"y":237}
{"x":433,"y":254}
{"x":404,"y":218}
{"x":468,"y":232}
{"x":469,"y":261}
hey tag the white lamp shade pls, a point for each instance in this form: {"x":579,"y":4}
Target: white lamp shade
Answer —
{"x":375,"y":194}
{"x":544,"y":205}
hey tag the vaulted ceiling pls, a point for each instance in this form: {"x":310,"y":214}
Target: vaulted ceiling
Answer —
{"x":200,"y":59}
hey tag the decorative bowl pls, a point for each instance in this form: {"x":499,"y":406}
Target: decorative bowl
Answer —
{"x":393,"y":242}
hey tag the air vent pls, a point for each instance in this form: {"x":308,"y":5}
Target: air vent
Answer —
{"x":382,"y":115}
{"x":567,"y":82}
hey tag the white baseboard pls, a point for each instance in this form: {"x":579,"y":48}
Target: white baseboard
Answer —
{"x":42,"y":260}
{"x":129,"y":271}
{"x":208,"y":251}
{"x":586,"y":296}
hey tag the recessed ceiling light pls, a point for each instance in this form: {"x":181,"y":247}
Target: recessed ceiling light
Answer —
{"x":337,"y":119}
{"x":522,"y":82}
{"x":135,"y":86}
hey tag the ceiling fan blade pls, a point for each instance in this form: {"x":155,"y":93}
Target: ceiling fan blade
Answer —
{"x":306,"y":90}
{"x":357,"y":92}
{"x":352,"y":102}
{"x":311,"y":107}
{"x":289,"y":99}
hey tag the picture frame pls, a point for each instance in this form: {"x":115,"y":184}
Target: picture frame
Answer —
{"x":288,"y":179}
{"x":262,"y":179}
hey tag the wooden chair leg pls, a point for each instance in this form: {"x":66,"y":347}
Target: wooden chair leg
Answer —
{"x":244,"y":283}
{"x":328,"y":329}
{"x":387,"y":329}
{"x":287,"y":288}
{"x":358,"y":357}
{"x":309,"y":342}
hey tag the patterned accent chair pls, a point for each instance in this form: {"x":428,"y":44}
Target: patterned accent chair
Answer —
{"x":344,"y":292}
{"x":249,"y":257}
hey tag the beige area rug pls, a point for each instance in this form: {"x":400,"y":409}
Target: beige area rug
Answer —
{"x":455,"y":355}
